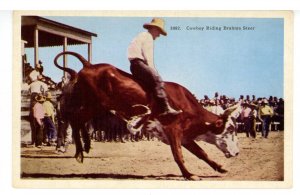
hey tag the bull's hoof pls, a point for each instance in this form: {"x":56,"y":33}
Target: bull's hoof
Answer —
{"x":193,"y":178}
{"x":221,"y":170}
{"x":79,"y":157}
{"x":87,"y":148}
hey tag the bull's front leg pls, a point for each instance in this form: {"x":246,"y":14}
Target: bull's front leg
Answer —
{"x":174,"y":137}
{"x":201,"y":154}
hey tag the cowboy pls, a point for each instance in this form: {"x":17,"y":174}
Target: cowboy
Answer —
{"x":141,"y":57}
{"x":265,"y":113}
{"x":248,"y":116}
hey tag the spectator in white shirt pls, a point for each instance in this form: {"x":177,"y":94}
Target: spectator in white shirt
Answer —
{"x":36,"y":88}
{"x":140,"y":55}
{"x":215,"y":107}
{"x":38,"y":70}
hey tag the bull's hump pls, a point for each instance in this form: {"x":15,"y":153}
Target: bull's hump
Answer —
{"x":123,"y":84}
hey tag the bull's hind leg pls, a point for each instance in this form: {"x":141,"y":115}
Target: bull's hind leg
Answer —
{"x":78,"y":144}
{"x":175,"y":143}
{"x":86,"y":138}
{"x":201,"y":154}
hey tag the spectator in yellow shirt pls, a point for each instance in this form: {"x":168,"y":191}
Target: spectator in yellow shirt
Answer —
{"x":265,"y":113}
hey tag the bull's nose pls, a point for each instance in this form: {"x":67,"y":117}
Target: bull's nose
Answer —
{"x":227,"y":155}
{"x":236,"y":154}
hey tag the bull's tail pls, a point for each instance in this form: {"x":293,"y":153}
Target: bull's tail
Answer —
{"x":72,"y":72}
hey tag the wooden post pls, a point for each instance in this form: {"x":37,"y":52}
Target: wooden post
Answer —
{"x":36,"y":46}
{"x":90,"y":52}
{"x":65,"y":56}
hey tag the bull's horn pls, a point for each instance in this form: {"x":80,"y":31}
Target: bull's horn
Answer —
{"x":148,"y":111}
{"x":113,"y":112}
{"x":207,"y":123}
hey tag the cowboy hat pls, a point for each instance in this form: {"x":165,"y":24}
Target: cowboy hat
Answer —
{"x":265,"y":101}
{"x":252,"y":105}
{"x":40,"y":98}
{"x":48,"y":95}
{"x":157,"y":22}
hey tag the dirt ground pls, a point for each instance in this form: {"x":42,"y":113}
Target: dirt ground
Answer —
{"x":259,"y":160}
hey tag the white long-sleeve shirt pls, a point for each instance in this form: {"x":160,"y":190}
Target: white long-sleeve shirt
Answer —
{"x":38,"y":86}
{"x":142,"y":47}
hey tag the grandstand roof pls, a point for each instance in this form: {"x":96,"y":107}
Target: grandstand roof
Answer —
{"x":51,"y":33}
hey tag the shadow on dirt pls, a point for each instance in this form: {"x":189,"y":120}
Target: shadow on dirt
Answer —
{"x":105,"y":176}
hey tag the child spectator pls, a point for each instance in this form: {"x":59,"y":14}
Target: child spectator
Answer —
{"x":49,"y":119}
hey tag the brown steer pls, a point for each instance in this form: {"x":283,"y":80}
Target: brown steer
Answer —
{"x":103,"y":87}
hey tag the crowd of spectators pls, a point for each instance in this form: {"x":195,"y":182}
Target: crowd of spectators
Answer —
{"x":30,"y":74}
{"x":261,"y":111}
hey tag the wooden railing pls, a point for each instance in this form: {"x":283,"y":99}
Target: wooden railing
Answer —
{"x":273,"y":126}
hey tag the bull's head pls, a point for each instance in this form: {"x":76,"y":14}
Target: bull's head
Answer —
{"x":226,"y":139}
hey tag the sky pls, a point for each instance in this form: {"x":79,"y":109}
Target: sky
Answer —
{"x":206,"y":55}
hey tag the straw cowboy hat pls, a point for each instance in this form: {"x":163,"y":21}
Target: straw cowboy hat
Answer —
{"x":48,"y":95}
{"x":157,"y":22}
{"x":40,"y":98}
{"x":265,"y":101}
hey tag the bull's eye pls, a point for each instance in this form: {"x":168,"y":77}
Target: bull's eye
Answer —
{"x":223,"y":145}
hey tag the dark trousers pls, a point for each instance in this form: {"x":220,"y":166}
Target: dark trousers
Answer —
{"x":253,"y":132}
{"x":38,"y":133}
{"x":149,"y":80}
{"x":247,"y":125}
{"x":31,"y":118}
{"x":266,"y":125}
{"x":32,"y":126}
{"x":250,"y":126}
{"x":62,"y":133}
{"x":50,"y":129}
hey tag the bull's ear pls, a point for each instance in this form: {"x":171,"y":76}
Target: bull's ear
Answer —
{"x":219,"y":123}
{"x":219,"y":126}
